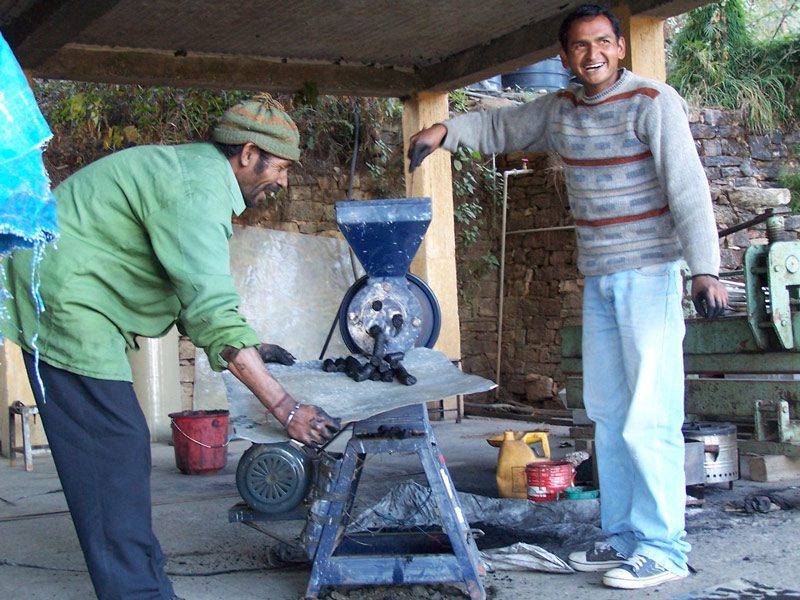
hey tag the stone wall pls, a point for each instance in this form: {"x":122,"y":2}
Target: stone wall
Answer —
{"x":543,"y":287}
{"x":743,"y":170}
{"x":542,"y":284}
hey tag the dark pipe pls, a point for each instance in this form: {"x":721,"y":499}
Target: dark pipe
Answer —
{"x":356,"y":126}
{"x":759,"y":219}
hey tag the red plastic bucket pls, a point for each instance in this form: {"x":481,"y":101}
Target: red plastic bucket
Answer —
{"x":200,"y":438}
{"x":547,"y":479}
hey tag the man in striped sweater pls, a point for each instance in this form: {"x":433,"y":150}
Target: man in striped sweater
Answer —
{"x":640,"y":201}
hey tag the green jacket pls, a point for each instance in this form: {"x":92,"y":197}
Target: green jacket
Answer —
{"x":144,"y":244}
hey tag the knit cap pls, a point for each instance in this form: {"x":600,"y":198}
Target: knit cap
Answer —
{"x":263,"y":121}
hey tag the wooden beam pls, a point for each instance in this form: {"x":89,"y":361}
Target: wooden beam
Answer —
{"x":14,"y":387}
{"x":645,"y":37}
{"x":768,"y":468}
{"x":435,"y":261}
{"x":522,"y":47}
{"x":158,"y":67}
{"x":663,"y":9}
{"x":539,"y":40}
{"x":47,"y":25}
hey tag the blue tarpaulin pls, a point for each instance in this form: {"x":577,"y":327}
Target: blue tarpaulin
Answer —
{"x":27,"y":206}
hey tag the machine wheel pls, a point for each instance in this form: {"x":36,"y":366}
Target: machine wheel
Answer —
{"x":273,"y":478}
{"x":431,"y":313}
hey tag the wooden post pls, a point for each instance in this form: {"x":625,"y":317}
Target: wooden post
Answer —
{"x":14,"y":386}
{"x":435,"y":261}
{"x":645,"y":38}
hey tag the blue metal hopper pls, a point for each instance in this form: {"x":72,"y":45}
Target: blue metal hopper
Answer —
{"x":384,"y":234}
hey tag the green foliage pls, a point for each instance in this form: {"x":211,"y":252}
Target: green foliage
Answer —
{"x":772,"y":19}
{"x":385,"y":165}
{"x":383,"y":152}
{"x":90,"y":120}
{"x":459,"y":100}
{"x":467,"y":215}
{"x":791,"y":180}
{"x":118,"y":115}
{"x":309,"y":94}
{"x":473,"y":178}
{"x":473,"y":173}
{"x":716,"y":62}
{"x":328,"y":127}
{"x":476,"y":186}
{"x":489,"y":262}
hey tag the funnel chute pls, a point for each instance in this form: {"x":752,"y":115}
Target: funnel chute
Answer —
{"x":384,"y":234}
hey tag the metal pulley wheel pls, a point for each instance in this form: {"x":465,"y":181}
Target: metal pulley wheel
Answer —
{"x":273,"y":478}
{"x":377,"y":301}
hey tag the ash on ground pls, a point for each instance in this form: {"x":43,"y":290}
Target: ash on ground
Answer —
{"x":413,"y":592}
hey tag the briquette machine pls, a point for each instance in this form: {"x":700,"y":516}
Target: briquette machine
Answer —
{"x":396,"y":311}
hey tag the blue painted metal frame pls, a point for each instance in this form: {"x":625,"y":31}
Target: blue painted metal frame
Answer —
{"x":391,"y":558}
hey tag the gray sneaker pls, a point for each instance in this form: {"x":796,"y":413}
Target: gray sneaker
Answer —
{"x":600,"y":558}
{"x":639,"y":572}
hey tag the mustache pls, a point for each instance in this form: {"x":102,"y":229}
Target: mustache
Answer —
{"x":273,"y":188}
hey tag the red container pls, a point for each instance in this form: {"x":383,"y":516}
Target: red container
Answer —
{"x":547,"y":479}
{"x":200,"y":438}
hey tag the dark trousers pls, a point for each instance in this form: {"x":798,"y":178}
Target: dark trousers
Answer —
{"x":101,"y":447}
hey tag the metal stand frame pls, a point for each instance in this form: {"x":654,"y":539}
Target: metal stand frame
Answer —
{"x":392,"y":558}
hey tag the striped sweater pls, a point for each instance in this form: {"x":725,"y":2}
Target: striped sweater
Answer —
{"x":637,"y":190}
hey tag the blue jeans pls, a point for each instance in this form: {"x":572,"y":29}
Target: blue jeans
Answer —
{"x":633,"y":390}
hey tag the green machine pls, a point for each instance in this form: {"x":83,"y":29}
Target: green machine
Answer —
{"x":741,"y":368}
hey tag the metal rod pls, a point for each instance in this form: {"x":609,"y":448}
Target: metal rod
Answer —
{"x":354,"y":157}
{"x":759,"y":219}
{"x":543,"y":229}
{"x":506,"y":175}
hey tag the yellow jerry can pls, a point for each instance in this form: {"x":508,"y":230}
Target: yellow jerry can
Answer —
{"x":515,"y":453}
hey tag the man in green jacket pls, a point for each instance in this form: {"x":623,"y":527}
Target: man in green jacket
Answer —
{"x":144,"y":245}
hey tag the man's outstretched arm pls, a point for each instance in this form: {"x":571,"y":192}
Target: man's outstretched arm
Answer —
{"x":304,"y":422}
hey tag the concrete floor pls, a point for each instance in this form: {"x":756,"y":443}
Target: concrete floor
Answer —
{"x":210,"y":558}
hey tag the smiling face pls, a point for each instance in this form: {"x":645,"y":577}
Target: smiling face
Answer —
{"x":259,"y":173}
{"x":593,"y":53}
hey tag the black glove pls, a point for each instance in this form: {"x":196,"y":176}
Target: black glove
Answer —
{"x":331,"y":424}
{"x":270,"y":353}
{"x":706,"y":306}
{"x":757,"y":503}
{"x":416,"y":154}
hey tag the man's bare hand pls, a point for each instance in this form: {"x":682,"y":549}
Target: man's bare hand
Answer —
{"x":709,"y":296}
{"x":423,"y":143}
{"x":311,"y":425}
{"x":306,"y":423}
